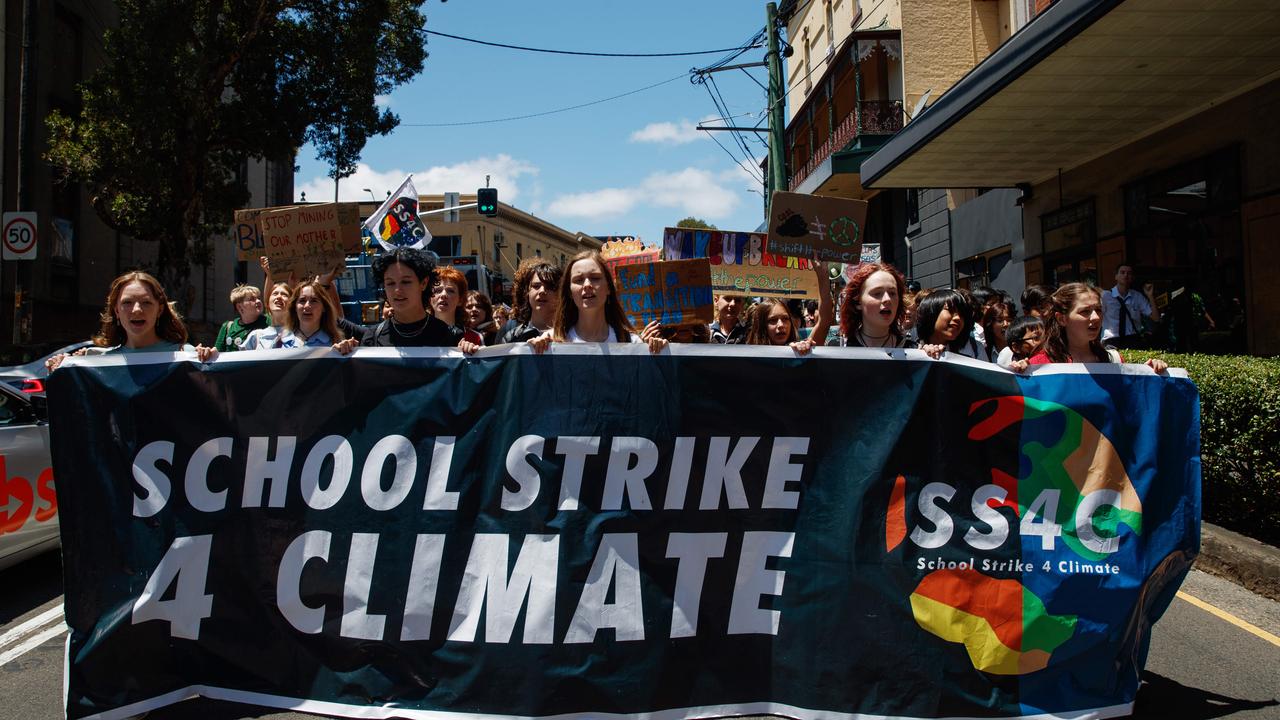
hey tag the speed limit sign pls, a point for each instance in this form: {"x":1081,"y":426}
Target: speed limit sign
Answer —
{"x":18,"y":238}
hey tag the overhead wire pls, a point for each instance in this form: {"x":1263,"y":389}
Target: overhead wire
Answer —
{"x":547,"y":112}
{"x":594,"y":54}
{"x":704,"y":76}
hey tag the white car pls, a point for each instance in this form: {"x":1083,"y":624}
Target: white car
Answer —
{"x":28,"y":506}
{"x":30,"y":377}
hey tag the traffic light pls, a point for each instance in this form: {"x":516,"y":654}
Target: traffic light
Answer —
{"x":487,"y":201}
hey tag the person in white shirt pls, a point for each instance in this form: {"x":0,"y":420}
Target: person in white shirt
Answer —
{"x":589,"y":310}
{"x":1123,"y":309}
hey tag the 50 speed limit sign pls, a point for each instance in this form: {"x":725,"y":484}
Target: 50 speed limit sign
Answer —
{"x":18,"y":238}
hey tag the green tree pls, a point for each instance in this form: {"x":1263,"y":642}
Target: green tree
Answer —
{"x":696,"y":224}
{"x":191,"y":88}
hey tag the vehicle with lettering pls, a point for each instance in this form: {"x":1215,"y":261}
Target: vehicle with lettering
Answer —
{"x":28,"y":506}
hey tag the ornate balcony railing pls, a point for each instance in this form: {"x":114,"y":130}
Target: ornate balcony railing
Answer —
{"x":845,"y":132}
{"x":879,"y":117}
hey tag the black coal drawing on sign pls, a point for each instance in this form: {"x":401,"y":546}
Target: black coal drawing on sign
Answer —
{"x":793,"y":225}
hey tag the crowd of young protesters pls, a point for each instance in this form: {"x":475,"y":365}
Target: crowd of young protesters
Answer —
{"x":428,"y":306}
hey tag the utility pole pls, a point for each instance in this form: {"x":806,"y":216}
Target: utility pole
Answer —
{"x":777,"y":114}
{"x":21,"y":305}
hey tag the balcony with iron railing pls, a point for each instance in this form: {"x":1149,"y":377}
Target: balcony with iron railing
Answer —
{"x":871,"y":117}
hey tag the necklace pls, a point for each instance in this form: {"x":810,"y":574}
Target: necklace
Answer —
{"x":410,"y":333}
{"x":867,"y":338}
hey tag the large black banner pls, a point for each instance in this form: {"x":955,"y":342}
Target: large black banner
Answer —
{"x":600,"y":531}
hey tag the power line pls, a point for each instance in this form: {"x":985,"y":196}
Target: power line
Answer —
{"x":548,"y":112}
{"x":590,"y":54}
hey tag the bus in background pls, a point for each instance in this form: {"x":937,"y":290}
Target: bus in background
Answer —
{"x":362,"y":301}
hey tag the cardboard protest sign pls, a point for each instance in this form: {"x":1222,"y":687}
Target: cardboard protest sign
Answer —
{"x":248,"y":237}
{"x":307,"y":239}
{"x":801,"y":225}
{"x":739,"y":264}
{"x":349,"y":226}
{"x":677,"y":292}
{"x":627,"y":252}
{"x":248,"y":240}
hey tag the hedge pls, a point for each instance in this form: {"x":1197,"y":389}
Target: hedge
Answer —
{"x":1239,"y":438}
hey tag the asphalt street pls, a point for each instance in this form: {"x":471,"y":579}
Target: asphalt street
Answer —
{"x":1214,"y":654}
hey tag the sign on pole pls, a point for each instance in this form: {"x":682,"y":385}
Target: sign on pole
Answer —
{"x":19,"y":236}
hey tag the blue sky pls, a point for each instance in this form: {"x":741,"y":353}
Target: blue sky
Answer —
{"x":625,"y":167}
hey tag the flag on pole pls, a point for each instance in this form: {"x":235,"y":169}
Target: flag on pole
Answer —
{"x":396,"y":224}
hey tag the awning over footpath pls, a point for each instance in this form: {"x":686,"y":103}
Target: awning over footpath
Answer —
{"x":1081,"y":80}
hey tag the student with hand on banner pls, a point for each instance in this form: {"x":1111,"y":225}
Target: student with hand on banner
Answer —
{"x":944,"y":322}
{"x":589,"y":310}
{"x":137,"y":317}
{"x":872,"y":310}
{"x":1072,"y":329}
{"x":405,"y":275}
{"x":770,"y":321}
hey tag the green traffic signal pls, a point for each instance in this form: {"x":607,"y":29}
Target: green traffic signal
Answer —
{"x":487,"y":201}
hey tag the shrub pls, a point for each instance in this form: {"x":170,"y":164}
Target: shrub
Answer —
{"x":1239,"y":438}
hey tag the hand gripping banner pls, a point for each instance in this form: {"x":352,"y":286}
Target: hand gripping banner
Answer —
{"x":600,"y":532}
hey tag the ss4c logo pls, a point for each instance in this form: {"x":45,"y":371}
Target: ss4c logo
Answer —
{"x":1076,"y":488}
{"x":1071,"y":488}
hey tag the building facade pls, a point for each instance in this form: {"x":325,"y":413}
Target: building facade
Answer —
{"x":1127,"y":144}
{"x":56,"y":298}
{"x":878,"y":66}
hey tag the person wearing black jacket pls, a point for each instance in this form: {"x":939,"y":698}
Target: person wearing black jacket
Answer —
{"x":537,"y":283}
{"x":406,"y":276}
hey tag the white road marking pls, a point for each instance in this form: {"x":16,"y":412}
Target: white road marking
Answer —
{"x":30,"y":626}
{"x":31,"y":643}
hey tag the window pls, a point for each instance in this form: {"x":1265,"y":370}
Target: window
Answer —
{"x":519,"y":252}
{"x":445,"y":245}
{"x":1069,"y":228}
{"x":982,"y":270}
{"x":913,"y":207}
{"x":831,"y":30}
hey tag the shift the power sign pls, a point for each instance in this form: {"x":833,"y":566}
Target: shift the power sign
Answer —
{"x":19,"y":236}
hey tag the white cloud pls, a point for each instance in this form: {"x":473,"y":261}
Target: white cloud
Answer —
{"x":506,"y":173}
{"x":609,"y":202}
{"x":382,"y":101}
{"x":739,"y":175}
{"x":692,"y":191}
{"x":668,"y":133}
